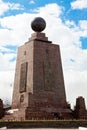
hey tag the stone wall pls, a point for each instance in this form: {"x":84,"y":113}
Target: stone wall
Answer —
{"x":44,"y":124}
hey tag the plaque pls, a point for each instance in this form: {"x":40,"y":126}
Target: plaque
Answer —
{"x":23,"y":77}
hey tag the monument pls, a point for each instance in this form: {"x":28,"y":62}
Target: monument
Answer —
{"x":80,"y":111}
{"x":39,"y":91}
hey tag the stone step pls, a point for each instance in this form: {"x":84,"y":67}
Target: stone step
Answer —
{"x":8,"y":117}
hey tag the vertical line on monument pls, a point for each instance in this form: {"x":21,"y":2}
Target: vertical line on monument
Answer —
{"x":48,"y":74}
{"x":23,"y":77}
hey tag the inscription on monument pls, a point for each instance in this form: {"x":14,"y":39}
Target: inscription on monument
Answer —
{"x":48,"y":75}
{"x":23,"y":77}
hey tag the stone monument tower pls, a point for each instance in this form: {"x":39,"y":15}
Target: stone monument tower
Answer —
{"x":39,"y":91}
{"x":80,"y":111}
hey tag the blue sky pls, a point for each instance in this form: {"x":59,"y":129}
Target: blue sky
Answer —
{"x":66,"y":26}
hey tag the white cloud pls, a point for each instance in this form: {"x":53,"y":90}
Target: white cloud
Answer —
{"x":31,"y":2}
{"x":16,"y":30}
{"x":13,"y":6}
{"x":6,"y":83}
{"x":83,"y":25}
{"x":4,"y":7}
{"x":50,"y":9}
{"x":5,"y":61}
{"x":79,"y":4}
{"x":76,"y":83}
{"x":4,"y":49}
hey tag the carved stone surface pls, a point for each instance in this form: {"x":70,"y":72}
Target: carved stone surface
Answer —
{"x":23,"y":77}
{"x":48,"y":76}
{"x":21,"y":98}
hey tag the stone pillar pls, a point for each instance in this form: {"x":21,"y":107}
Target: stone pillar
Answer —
{"x":80,"y":108}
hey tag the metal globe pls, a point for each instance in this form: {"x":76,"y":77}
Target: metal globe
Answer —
{"x":38,"y":24}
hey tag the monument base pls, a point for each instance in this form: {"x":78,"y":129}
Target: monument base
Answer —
{"x":31,"y":114}
{"x":44,"y":124}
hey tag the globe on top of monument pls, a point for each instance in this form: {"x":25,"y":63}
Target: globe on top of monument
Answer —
{"x":38,"y":24}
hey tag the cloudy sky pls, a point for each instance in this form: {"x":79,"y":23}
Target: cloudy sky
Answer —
{"x":66,"y":26}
